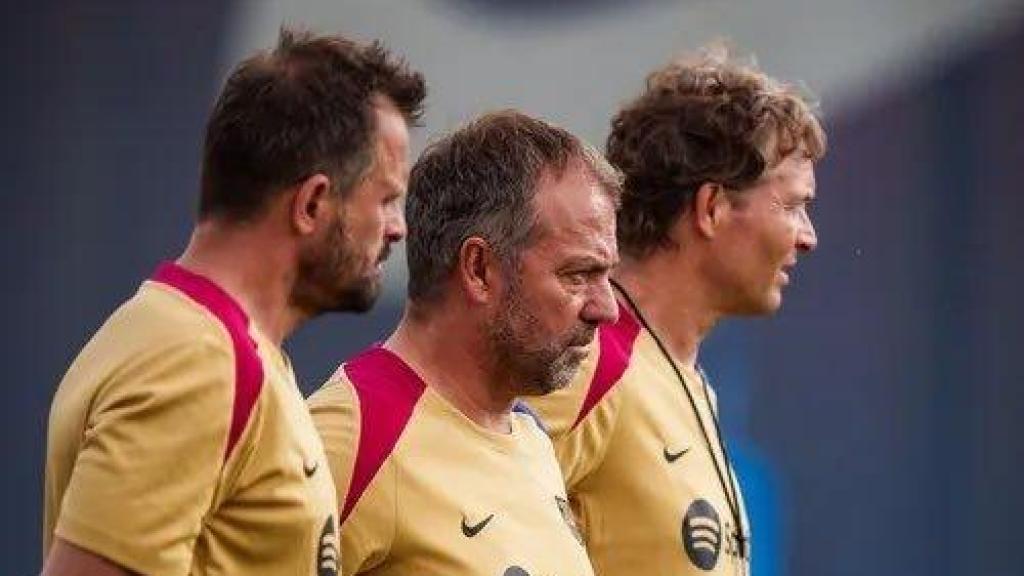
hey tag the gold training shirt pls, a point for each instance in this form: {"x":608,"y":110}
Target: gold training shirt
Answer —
{"x":426,"y":491}
{"x":179,"y":444}
{"x":638,"y":471}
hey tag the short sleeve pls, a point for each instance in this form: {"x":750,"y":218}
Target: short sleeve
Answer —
{"x":151,"y":457}
{"x":370,"y":530}
{"x":369,"y":527}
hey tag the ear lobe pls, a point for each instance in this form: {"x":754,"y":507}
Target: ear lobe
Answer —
{"x":311,"y":203}
{"x":710,"y":206}
{"x":477,"y":270}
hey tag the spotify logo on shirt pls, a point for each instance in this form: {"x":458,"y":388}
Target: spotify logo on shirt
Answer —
{"x":702,"y":534}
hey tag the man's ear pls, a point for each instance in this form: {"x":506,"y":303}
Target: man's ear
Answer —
{"x":311,"y":203}
{"x":478,"y":270}
{"x":710,"y":207}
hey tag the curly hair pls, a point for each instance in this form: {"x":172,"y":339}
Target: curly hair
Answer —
{"x":305,"y":107}
{"x":704,"y":118}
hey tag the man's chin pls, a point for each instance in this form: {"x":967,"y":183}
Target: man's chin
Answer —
{"x":772,"y":302}
{"x":559,"y":376}
{"x":764,"y":304}
{"x":358,"y":299}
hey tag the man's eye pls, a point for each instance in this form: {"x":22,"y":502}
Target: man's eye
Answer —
{"x":580,"y":277}
{"x":577,"y":277}
{"x":797,"y":207}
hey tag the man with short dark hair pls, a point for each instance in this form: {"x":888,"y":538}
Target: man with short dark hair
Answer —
{"x":511,"y":241}
{"x":719,"y":166}
{"x":178,"y":441}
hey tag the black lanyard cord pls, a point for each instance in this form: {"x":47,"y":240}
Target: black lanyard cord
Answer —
{"x":729,"y":490}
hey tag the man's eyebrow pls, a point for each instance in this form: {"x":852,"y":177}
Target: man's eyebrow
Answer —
{"x":590,"y":262}
{"x":395,"y":184}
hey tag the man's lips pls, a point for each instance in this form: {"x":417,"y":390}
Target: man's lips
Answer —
{"x":784,"y":271}
{"x":385,"y":253}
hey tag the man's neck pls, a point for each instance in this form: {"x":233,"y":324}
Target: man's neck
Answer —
{"x":672,"y":300}
{"x":450,"y":356}
{"x":251,"y":269}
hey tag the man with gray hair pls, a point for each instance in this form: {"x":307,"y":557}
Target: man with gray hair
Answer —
{"x":511,"y":242}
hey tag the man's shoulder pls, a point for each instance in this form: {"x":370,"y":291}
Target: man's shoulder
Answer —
{"x":150,"y":338}
{"x":360,"y":413}
{"x":374,"y":386}
{"x":157,"y":316}
{"x":161,"y":353}
{"x":599,"y":375}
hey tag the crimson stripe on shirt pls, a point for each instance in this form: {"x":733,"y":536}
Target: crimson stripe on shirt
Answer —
{"x":615,"y":346}
{"x":248,"y":366}
{"x":388,"y":390}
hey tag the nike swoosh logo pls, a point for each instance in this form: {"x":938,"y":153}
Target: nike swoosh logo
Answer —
{"x":671,"y":457}
{"x":470,"y":531}
{"x":310,"y":469}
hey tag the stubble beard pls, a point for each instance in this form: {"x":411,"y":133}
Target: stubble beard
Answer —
{"x":535,"y":370}
{"x":330,"y":278}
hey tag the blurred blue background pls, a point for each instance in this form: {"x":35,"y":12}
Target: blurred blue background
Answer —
{"x":875,"y":418}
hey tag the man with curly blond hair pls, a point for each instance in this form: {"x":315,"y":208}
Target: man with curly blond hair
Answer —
{"x":719,"y":166}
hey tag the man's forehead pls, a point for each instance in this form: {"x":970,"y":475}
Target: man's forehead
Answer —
{"x":573,"y":192}
{"x":578,"y":246}
{"x":391,"y":128}
{"x":793,"y":172}
{"x":577,"y":216}
{"x":392,"y":148}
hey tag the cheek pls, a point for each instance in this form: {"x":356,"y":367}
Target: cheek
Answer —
{"x":750,"y":260}
{"x":777,"y":238}
{"x":567,"y":309}
{"x":548,"y":305}
{"x":366,"y":229}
